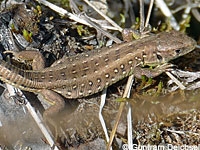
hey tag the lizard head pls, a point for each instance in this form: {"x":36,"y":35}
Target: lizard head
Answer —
{"x":169,"y":46}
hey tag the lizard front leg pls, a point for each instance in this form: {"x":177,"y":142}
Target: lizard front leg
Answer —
{"x":56,"y":101}
{"x":150,"y":73}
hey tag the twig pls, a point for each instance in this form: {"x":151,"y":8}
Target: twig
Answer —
{"x":195,"y":11}
{"x":149,"y":13}
{"x":102,"y":31}
{"x":142,"y":18}
{"x":196,"y":14}
{"x":188,"y":78}
{"x":103,"y":99}
{"x":71,"y":16}
{"x":129,"y":122}
{"x":181,"y":86}
{"x":167,"y":12}
{"x":192,"y":5}
{"x":121,"y":107}
{"x":93,"y":24}
{"x":104,"y":16}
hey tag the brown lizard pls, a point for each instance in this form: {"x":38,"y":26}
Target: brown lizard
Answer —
{"x":90,"y":72}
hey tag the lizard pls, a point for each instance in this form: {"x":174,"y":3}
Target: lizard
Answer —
{"x":90,"y":72}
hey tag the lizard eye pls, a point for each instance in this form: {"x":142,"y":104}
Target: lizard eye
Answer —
{"x":159,"y":57}
{"x":177,"y":51}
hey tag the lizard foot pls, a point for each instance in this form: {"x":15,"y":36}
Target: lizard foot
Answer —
{"x":150,"y":73}
{"x":57,"y":105}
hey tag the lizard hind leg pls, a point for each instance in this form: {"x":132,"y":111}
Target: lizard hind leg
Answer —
{"x":57,"y":105}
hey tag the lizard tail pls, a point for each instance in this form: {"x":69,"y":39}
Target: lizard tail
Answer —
{"x":17,"y":77}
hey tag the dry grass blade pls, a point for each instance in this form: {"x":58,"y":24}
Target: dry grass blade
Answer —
{"x":104,"y":16}
{"x":71,"y":16}
{"x":167,"y":12}
{"x":103,"y":99}
{"x":181,"y":86}
{"x":149,"y":13}
{"x":121,"y":108}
